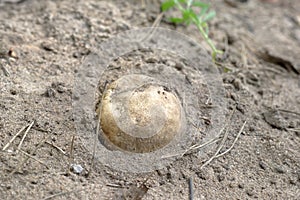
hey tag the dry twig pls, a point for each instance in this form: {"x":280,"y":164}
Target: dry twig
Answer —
{"x":71,"y":156}
{"x":217,"y":155}
{"x":153,"y":27}
{"x":222,"y":141}
{"x":114,"y":185}
{"x":24,"y":136}
{"x":218,"y":150}
{"x":289,"y":111}
{"x":61,"y":193}
{"x":14,"y":137}
{"x":191,"y":189}
{"x":56,"y":147}
{"x":5,"y":71}
{"x":94,"y":146}
{"x":199,"y":146}
{"x":193,"y":148}
{"x":294,"y":129}
{"x":235,"y":140}
{"x":34,"y":158}
{"x":21,"y":163}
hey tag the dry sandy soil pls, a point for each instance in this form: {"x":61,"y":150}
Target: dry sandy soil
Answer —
{"x":259,"y":69}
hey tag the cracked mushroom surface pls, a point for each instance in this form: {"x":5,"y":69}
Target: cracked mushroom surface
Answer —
{"x":139,"y":115}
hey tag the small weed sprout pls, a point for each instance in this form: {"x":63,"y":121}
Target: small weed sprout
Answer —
{"x":189,"y":16}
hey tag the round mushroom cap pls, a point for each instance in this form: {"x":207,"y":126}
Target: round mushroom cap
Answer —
{"x":138,"y":114}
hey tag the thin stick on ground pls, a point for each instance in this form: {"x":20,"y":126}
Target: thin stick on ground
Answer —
{"x":199,"y":146}
{"x":21,"y":163}
{"x":34,"y":158}
{"x":289,"y":111}
{"x":14,"y":137}
{"x":294,"y":129}
{"x":218,"y":150}
{"x":114,"y":185}
{"x":196,"y":146}
{"x":192,"y":148}
{"x":61,"y":193}
{"x":235,"y":140}
{"x":143,"y":4}
{"x":222,"y":141}
{"x":5,"y":71}
{"x":72,"y":147}
{"x":191,"y":189}
{"x":24,"y":136}
{"x":153,"y":27}
{"x":94,"y":145}
{"x":71,"y":156}
{"x":56,"y":147}
{"x":217,"y":155}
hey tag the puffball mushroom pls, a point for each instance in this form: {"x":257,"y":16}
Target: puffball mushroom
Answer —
{"x":139,"y":114}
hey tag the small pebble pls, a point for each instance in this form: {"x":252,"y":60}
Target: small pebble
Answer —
{"x":256,"y":116}
{"x":13,"y":92}
{"x":273,"y":181}
{"x":151,"y":60}
{"x":50,"y":92}
{"x":202,"y":175}
{"x":252,"y":128}
{"x":77,"y":168}
{"x":237,"y":83}
{"x":293,"y":180}
{"x":220,"y":177}
{"x":179,"y":66}
{"x":228,"y":79}
{"x":250,"y":192}
{"x":48,"y":46}
{"x":231,"y":185}
{"x":279,"y":170}
{"x":60,"y":89}
{"x":233,"y":96}
{"x":228,"y":86}
{"x":170,"y":63}
{"x":76,"y":55}
{"x":241,"y":185}
{"x":241,"y":108}
{"x":262,"y":165}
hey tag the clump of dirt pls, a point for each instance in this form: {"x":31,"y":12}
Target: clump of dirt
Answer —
{"x":260,"y":69}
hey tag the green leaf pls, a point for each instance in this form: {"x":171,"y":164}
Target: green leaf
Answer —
{"x":189,"y":3}
{"x":209,"y":16}
{"x":180,"y":1}
{"x":189,"y":16}
{"x":176,"y":20}
{"x":186,"y":15}
{"x":186,"y":7}
{"x":167,"y":5}
{"x":205,"y":27}
{"x":226,"y":69}
{"x":203,"y":11}
{"x":200,"y":4}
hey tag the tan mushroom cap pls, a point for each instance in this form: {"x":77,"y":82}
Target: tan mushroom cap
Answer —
{"x":139,"y":115}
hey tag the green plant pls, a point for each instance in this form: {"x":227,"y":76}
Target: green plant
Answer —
{"x":190,"y":16}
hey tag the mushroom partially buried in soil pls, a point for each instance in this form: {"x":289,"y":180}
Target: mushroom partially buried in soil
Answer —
{"x":138,"y":114}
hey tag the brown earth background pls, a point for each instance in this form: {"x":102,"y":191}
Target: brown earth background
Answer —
{"x":260,"y":71}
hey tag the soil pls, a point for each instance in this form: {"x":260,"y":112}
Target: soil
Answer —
{"x":260,"y":71}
